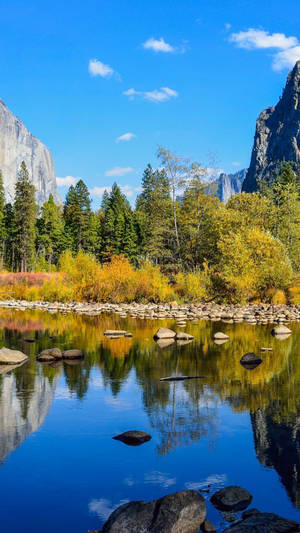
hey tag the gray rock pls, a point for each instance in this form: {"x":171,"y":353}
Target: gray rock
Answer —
{"x":73,"y":354}
{"x":232,"y":498}
{"x":180,"y":512}
{"x":220,"y":336}
{"x":277,"y":135}
{"x":11,"y":357}
{"x":51,"y":354}
{"x":281,"y":330}
{"x":133,"y":437}
{"x":17,"y":145}
{"x":164,"y":333}
{"x":264,"y":523}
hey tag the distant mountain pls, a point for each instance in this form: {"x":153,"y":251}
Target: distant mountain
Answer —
{"x":17,"y":144}
{"x":277,"y":136}
{"x":230,"y":184}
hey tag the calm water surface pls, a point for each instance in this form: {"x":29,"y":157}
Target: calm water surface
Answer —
{"x":60,"y":469}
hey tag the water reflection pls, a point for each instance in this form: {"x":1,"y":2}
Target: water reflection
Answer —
{"x":181,"y":413}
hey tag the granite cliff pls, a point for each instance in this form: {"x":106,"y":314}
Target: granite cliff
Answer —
{"x":277,"y":136}
{"x":17,"y":144}
{"x":230,"y":184}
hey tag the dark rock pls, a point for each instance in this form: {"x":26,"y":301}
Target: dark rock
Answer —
{"x":133,"y":437}
{"x":277,"y":135}
{"x":264,"y":523}
{"x":232,"y":498}
{"x":250,"y":361}
{"x":180,"y":512}
{"x":73,"y":354}
{"x":250,"y":512}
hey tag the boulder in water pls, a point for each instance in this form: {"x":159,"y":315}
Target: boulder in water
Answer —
{"x":133,"y":437}
{"x":182,"y":512}
{"x":164,"y":333}
{"x":232,"y":498}
{"x":11,"y":357}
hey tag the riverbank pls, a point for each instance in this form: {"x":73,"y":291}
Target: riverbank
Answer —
{"x":252,"y":314}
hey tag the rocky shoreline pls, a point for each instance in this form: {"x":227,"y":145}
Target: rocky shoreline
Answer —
{"x":251,"y":314}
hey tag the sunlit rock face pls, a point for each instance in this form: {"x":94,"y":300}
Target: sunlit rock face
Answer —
{"x":230,"y":184}
{"x":277,"y":136}
{"x":277,"y":445}
{"x":17,"y":144}
{"x":22,"y":413}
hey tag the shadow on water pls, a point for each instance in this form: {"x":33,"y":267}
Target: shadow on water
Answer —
{"x":180,"y":413}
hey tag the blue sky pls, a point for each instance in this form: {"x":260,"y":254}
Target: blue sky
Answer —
{"x":189,"y":75}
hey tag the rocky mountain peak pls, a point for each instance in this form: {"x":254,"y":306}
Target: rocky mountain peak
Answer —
{"x":17,"y":144}
{"x":277,"y":135}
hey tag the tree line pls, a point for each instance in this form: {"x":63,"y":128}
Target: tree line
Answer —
{"x":178,"y":223}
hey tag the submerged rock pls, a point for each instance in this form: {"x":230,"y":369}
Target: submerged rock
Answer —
{"x":232,"y":498}
{"x":250,"y":361}
{"x":133,"y":437}
{"x":180,"y":512}
{"x":164,"y":333}
{"x":11,"y":357}
{"x":264,"y":523}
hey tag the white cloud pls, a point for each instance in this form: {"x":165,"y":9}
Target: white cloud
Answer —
{"x":128,"y":190}
{"x":157,"y":95}
{"x":289,"y":47}
{"x":158,"y":45}
{"x":118,"y":171}
{"x":67,"y":181}
{"x":254,"y":38}
{"x":236,"y":164}
{"x":97,"y":68}
{"x":286,"y":58}
{"x":160,"y":478}
{"x":227,"y":26}
{"x":103,"y":508}
{"x":125,"y":137}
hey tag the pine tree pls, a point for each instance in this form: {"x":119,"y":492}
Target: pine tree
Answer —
{"x":50,"y":232}
{"x":79,"y":219}
{"x":9,"y":244}
{"x":2,"y":222}
{"x":154,"y":216}
{"x":118,"y":232}
{"x":25,"y":211}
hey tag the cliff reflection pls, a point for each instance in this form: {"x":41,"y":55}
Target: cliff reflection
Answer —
{"x":180,"y":413}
